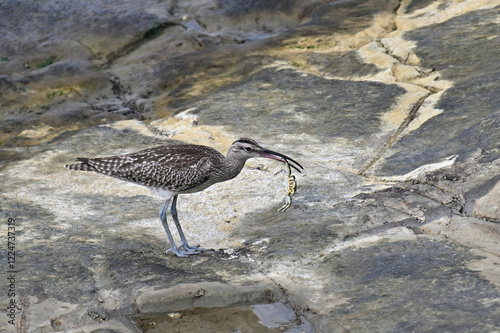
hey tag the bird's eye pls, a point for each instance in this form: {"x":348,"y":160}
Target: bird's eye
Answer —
{"x":248,"y":149}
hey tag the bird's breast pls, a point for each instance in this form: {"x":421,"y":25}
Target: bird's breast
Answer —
{"x":164,"y":193}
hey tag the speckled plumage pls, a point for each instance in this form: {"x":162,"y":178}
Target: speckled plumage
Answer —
{"x":177,"y":168}
{"x":171,"y":170}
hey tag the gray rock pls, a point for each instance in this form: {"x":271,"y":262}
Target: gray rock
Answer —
{"x":391,"y":107}
{"x":471,"y":116}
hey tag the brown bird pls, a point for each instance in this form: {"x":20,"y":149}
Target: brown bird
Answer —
{"x":171,"y":170}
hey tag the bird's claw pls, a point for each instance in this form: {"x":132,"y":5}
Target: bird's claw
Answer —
{"x":188,"y":250}
{"x":180,"y":253}
{"x":195,"y":248}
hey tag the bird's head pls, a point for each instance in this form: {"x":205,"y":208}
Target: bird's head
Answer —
{"x":247,"y":148}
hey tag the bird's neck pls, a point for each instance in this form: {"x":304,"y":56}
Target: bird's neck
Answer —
{"x":231,"y":167}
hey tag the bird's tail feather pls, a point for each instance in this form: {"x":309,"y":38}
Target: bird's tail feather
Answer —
{"x":84,"y":166}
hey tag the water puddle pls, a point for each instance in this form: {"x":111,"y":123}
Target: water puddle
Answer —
{"x":262,"y":318}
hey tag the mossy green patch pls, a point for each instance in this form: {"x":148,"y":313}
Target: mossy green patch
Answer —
{"x":47,"y":62}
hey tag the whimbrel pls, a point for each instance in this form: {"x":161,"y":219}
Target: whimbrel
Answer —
{"x":171,"y":170}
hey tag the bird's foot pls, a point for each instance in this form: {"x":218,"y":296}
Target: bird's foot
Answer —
{"x":191,"y":249}
{"x":180,"y":253}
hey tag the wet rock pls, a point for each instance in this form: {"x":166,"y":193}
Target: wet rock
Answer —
{"x":344,"y":65}
{"x":187,"y":296}
{"x":488,"y":206}
{"x":409,"y":266}
{"x":472,"y":99}
{"x":390,"y":107}
{"x":480,"y":235}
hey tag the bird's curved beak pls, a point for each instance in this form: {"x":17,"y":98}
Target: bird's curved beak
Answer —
{"x":280,"y":157}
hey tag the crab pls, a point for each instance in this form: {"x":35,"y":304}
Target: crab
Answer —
{"x":290,"y":186}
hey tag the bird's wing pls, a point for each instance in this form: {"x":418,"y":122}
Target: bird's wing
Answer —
{"x":178,"y":167}
{"x":178,"y":157}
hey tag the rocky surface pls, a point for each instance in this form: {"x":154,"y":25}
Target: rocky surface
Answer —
{"x":392,"y":108}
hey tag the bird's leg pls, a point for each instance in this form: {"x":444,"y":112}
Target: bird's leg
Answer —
{"x":184,"y":244}
{"x":173,"y":247}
